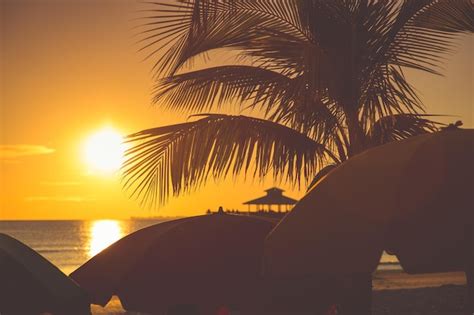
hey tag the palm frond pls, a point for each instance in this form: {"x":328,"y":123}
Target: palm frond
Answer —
{"x":281,"y":14}
{"x":279,"y":98}
{"x":412,"y":34}
{"x":387,"y":92}
{"x":202,"y":90}
{"x":280,"y":51}
{"x":168,"y":160}
{"x":447,"y":16}
{"x":399,"y":127}
{"x":166,"y":30}
{"x":425,"y":30}
{"x":213,"y":24}
{"x":312,"y":115}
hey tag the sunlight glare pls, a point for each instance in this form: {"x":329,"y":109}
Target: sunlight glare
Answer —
{"x":104,"y":151}
{"x":103,"y":233}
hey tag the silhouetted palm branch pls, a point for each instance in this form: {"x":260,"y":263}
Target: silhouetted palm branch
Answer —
{"x":213,"y":87}
{"x":399,"y":127}
{"x":171,"y":159}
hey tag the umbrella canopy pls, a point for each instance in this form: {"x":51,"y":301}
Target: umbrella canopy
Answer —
{"x":199,"y":261}
{"x":31,"y":284}
{"x":413,"y":197}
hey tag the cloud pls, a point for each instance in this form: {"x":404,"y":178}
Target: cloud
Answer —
{"x":13,"y":151}
{"x":58,"y":199}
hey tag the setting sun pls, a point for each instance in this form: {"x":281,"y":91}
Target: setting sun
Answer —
{"x":104,"y":151}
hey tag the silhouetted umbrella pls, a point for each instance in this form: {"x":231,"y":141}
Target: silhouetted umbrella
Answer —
{"x":413,"y":197}
{"x":29,"y":284}
{"x":206,"y":261}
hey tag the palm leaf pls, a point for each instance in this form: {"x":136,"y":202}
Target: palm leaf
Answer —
{"x":449,"y":16}
{"x":387,"y":92}
{"x":414,"y":34}
{"x":281,"y":99}
{"x":205,"y":89}
{"x":399,"y":127}
{"x":213,"y":24}
{"x":280,"y":51}
{"x":425,"y":30}
{"x":168,"y":160}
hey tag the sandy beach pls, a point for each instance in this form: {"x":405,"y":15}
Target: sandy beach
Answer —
{"x":399,"y":293}
{"x":395,"y":292}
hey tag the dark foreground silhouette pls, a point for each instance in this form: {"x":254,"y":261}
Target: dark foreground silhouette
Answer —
{"x":412,"y":198}
{"x":29,"y":284}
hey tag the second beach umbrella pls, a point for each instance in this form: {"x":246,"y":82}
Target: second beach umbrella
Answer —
{"x":206,"y":261}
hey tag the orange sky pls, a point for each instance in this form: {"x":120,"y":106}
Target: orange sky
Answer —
{"x":70,"y":68}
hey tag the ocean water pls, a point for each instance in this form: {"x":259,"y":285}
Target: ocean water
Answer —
{"x":69,"y":244}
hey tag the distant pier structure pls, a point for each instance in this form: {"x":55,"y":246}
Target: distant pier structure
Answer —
{"x":274,"y":196}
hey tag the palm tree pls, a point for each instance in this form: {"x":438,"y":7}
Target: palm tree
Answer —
{"x":326,"y":78}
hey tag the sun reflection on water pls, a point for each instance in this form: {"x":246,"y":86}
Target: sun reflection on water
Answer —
{"x":104,"y":233}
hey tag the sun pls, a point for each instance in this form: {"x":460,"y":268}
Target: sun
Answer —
{"x":104,"y":151}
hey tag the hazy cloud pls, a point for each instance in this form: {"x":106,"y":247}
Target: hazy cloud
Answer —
{"x":58,"y":198}
{"x":12,"y":151}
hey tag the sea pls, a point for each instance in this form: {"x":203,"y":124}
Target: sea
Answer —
{"x":69,"y":244}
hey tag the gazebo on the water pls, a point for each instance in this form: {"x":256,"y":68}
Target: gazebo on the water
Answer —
{"x":274,"y":197}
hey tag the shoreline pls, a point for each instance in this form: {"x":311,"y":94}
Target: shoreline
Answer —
{"x":397,"y":280}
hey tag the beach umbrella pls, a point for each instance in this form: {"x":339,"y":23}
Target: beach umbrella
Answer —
{"x":204,"y":261}
{"x":29,"y":284}
{"x":413,"y":197}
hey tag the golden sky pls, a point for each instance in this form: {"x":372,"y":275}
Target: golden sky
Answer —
{"x":70,"y":68}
